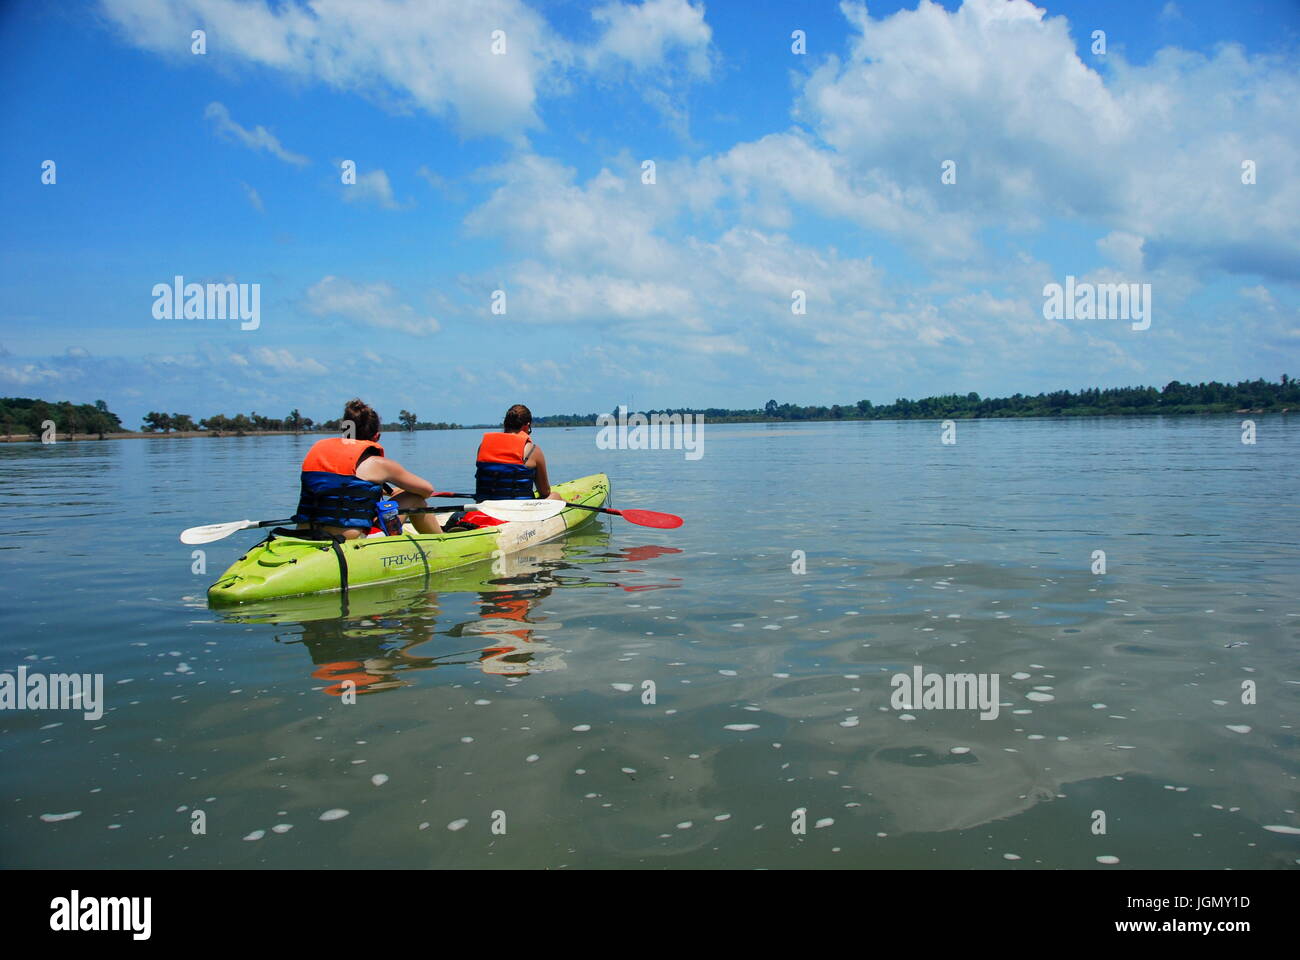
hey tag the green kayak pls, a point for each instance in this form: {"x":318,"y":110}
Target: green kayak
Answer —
{"x":285,"y":566}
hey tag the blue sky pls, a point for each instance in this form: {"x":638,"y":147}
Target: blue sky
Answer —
{"x":522,"y":172}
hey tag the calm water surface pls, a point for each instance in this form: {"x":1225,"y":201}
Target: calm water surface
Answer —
{"x":517,"y":695}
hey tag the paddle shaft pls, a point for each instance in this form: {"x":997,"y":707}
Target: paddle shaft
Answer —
{"x":637,"y":516}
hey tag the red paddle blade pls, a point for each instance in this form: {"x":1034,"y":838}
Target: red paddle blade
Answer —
{"x":651,"y":518}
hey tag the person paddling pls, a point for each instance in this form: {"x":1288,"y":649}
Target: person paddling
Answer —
{"x":344,"y":479}
{"x":509,"y":464}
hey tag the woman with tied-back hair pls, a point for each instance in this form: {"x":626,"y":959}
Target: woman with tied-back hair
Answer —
{"x":343,"y":479}
{"x":509,"y":464}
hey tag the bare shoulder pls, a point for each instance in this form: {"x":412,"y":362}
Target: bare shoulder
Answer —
{"x":376,"y":468}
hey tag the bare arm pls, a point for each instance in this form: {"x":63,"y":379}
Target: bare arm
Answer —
{"x":537,"y":460}
{"x":383,"y":470}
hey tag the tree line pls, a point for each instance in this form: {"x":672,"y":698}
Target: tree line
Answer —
{"x":23,"y":415}
{"x":26,"y":416}
{"x":155,"y":422}
{"x":256,"y":423}
{"x":1175,"y":398}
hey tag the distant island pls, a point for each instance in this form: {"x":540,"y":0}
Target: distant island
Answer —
{"x":24,"y":419}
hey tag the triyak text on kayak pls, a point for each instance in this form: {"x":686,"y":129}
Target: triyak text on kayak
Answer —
{"x":71,"y":914}
{"x":659,"y":431}
{"x":55,"y":691}
{"x":1098,"y":301}
{"x":179,"y":300}
{"x":945,"y":691}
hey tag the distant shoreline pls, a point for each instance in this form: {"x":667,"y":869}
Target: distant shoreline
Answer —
{"x":221,"y":435}
{"x":135,"y":435}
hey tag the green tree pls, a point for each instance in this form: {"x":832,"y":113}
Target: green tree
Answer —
{"x":154,"y":421}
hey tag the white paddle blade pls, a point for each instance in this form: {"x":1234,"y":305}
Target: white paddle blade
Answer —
{"x":525,"y":510}
{"x":214,"y":531}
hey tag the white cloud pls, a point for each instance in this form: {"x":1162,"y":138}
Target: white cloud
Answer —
{"x":28,"y":374}
{"x":612,"y":252}
{"x":254,"y":197}
{"x":285,"y":361}
{"x":431,"y":55}
{"x":645,"y":35}
{"x":375,"y":304}
{"x":609,"y":222}
{"x":1124,"y":250}
{"x":259,"y":138}
{"x":372,"y":186}
{"x":1037,"y":133}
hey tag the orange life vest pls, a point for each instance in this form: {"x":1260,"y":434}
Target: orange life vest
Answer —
{"x":338,"y":455}
{"x":500,"y":473}
{"x":331,"y":494}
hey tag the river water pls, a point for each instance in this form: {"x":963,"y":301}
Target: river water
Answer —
{"x":713,"y":696}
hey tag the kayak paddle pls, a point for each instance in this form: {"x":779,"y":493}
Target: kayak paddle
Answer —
{"x":219,"y":531}
{"x":644,"y":518}
{"x":520,"y":509}
{"x":507,"y":510}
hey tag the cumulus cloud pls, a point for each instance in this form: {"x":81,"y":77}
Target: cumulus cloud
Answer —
{"x":997,"y":87}
{"x":430,"y":55}
{"x":648,"y":34}
{"x":1137,"y":166}
{"x":259,"y":138}
{"x":374,"y":304}
{"x":608,"y":222}
{"x":640,"y":262}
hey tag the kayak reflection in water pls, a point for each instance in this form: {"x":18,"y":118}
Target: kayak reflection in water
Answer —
{"x":343,"y":480}
{"x":360,"y":656}
{"x":371,"y":649}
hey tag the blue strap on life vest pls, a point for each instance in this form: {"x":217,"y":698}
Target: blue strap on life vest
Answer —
{"x":334,"y":500}
{"x":503,"y":481}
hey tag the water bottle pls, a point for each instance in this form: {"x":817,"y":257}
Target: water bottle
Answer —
{"x":388,"y":520}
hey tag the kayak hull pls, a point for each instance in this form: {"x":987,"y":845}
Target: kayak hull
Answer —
{"x":288,"y":566}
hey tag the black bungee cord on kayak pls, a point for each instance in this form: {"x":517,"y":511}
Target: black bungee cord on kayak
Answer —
{"x":335,"y":542}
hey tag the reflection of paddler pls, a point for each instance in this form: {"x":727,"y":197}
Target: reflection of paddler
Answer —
{"x":512,"y":653}
{"x":505,"y":657}
{"x":362,"y":650}
{"x":345,"y":670}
